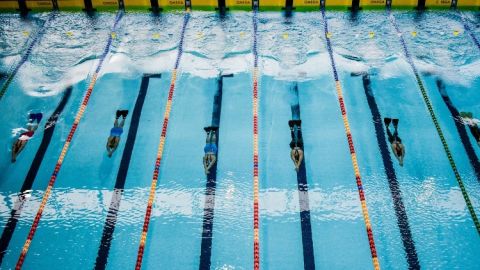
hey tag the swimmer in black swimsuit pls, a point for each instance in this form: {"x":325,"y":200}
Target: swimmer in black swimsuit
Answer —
{"x":210,"y":149}
{"x":396,"y":144}
{"x":472,"y":123}
{"x":21,"y":142}
{"x":296,"y":144}
{"x":116,"y":132}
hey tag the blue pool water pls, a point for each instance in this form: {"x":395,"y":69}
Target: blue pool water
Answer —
{"x":292,"y":51}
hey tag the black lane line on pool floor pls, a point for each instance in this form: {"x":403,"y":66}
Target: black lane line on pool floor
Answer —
{"x":111,"y":220}
{"x":462,"y":131}
{"x":3,"y":77}
{"x":209,"y":208}
{"x":469,"y":30}
{"x":400,"y":212}
{"x":32,"y":173}
{"x":304,"y":201}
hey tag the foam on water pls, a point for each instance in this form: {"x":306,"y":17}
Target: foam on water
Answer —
{"x":290,"y":49}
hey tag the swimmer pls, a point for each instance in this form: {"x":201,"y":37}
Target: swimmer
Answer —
{"x":296,"y":144}
{"x":210,"y":149}
{"x":116,"y":132}
{"x":398,"y":148}
{"x":33,"y":122}
{"x":472,"y":123}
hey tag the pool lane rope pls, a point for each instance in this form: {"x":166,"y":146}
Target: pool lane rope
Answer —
{"x":469,"y":29}
{"x":256,"y":242}
{"x":426,"y":99}
{"x":166,"y":117}
{"x":26,"y":55}
{"x":66,"y":146}
{"x":353,"y":155}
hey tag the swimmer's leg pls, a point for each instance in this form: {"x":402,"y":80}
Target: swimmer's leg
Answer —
{"x":292,"y":134}
{"x":292,"y":124}
{"x":395,"y":131}
{"x":122,"y":123}
{"x":212,"y":138}
{"x":213,"y":135}
{"x":17,"y":148}
{"x":207,"y":130}
{"x":391,"y":137}
{"x":295,"y":130}
{"x":300,"y":139}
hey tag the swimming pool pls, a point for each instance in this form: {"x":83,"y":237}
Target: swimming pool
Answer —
{"x":96,"y":211}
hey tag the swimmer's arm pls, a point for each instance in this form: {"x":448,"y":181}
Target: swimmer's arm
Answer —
{"x":17,"y":148}
{"x":14,"y":151}
{"x":22,"y":146}
{"x":109,"y":150}
{"x":400,"y":159}
{"x":205,"y":162}
{"x":18,"y":131}
{"x":14,"y":146}
{"x":18,"y":145}
{"x":393,"y":150}
{"x":300,"y":159}
{"x":214,"y":158}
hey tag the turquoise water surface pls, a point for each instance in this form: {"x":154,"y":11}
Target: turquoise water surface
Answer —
{"x":292,"y":52}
